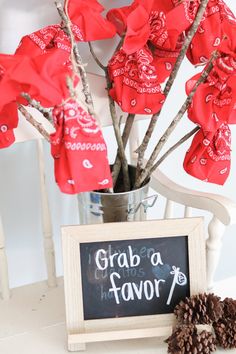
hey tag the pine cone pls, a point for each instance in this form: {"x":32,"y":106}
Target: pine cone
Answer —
{"x":199,"y":309}
{"x":185,"y":339}
{"x":225,"y":332}
{"x":229,"y":308}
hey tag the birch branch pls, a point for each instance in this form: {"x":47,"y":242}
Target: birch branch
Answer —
{"x":76,"y":58}
{"x":146,"y":172}
{"x":121,"y":149}
{"x":143,"y":147}
{"x":174,"y":147}
{"x":185,"y":46}
{"x":34,"y":122}
{"x":46,"y":112}
{"x":95,"y":57}
{"x":125,"y":136}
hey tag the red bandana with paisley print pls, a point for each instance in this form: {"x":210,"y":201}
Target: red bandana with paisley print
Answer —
{"x":79,"y":150}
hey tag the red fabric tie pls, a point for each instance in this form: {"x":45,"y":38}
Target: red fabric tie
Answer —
{"x":87,"y":21}
{"x":135,"y":82}
{"x":215,"y":25}
{"x":8,"y":122}
{"x":79,"y":151}
{"x":43,"y":77}
{"x":213,"y":108}
{"x":208,"y":158}
{"x":44,"y":41}
{"x":135,"y":71}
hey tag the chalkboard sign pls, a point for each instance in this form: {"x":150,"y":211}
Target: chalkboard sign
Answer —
{"x":134,"y":277}
{"x":123,"y":280}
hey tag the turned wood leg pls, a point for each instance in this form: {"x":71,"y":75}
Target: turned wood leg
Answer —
{"x":213,"y":247}
{"x":168,"y":214}
{"x":46,"y":223}
{"x":4,"y":281}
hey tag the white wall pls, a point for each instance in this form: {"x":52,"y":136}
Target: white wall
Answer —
{"x":19,"y":183}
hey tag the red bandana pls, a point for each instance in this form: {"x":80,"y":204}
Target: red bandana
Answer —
{"x":79,"y":151}
{"x":8,"y":122}
{"x":216,"y":23}
{"x":149,"y":21}
{"x":44,"y":41}
{"x":214,"y":100}
{"x":87,"y":21}
{"x":135,"y":82}
{"x":213,"y":108}
{"x":43,"y":77}
{"x":208,"y":158}
{"x":135,"y":71}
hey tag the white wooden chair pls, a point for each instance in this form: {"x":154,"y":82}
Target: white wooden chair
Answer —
{"x":222,"y":209}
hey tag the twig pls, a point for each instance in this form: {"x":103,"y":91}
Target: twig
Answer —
{"x":96,"y":58}
{"x":121,"y":149}
{"x":46,"y":112}
{"x":147,"y":170}
{"x":120,"y":121}
{"x":143,"y":147}
{"x":185,"y":46}
{"x":175,"y":146}
{"x":34,"y":122}
{"x":76,"y":58}
{"x":125,"y":136}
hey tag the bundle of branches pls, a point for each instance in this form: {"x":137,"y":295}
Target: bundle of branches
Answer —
{"x":139,"y":79}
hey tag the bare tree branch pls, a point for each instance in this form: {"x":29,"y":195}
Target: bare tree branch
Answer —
{"x":34,"y":122}
{"x":174,"y":147}
{"x":46,"y":112}
{"x":143,"y":147}
{"x":125,"y":136}
{"x":148,"y":168}
{"x":121,"y":149}
{"x":95,"y":57}
{"x":76,"y":59}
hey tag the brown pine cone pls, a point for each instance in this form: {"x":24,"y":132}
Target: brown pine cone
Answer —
{"x":214,"y":307}
{"x":185,"y":339}
{"x":229,"y":308}
{"x":225,"y":332}
{"x":199,"y":309}
{"x":205,"y":342}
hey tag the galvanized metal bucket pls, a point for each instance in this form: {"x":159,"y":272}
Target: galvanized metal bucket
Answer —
{"x":97,"y":207}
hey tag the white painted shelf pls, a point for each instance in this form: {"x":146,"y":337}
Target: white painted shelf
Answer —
{"x":33,"y":322}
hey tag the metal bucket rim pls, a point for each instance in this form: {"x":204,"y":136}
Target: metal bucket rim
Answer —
{"x":122,"y":193}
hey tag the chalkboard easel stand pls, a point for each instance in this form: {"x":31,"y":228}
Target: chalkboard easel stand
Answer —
{"x":81,"y":339}
{"x":80,"y":330}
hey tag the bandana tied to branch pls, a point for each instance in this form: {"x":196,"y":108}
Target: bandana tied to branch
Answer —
{"x":135,"y":82}
{"x":41,"y":76}
{"x":215,"y":25}
{"x":152,"y":41}
{"x":44,"y":41}
{"x":79,"y":151}
{"x":87,"y":21}
{"x":213,"y":108}
{"x":208,"y":158}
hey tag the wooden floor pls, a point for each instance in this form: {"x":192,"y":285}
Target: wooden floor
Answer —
{"x":33,"y":322}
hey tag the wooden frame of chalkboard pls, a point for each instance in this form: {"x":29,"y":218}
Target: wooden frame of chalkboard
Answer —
{"x":114,"y":271}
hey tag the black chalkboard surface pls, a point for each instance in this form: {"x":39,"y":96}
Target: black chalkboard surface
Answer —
{"x":134,"y":277}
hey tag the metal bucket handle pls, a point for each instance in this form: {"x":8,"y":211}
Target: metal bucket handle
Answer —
{"x":144,"y":203}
